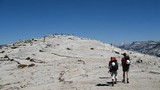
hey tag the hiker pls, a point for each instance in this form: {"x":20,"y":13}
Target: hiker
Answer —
{"x":113,"y":67}
{"x":125,"y":67}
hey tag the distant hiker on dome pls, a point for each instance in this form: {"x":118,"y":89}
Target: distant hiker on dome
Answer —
{"x":113,"y":67}
{"x":125,"y":67}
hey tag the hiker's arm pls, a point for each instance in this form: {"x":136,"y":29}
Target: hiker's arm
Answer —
{"x":122,"y":60}
{"x":109,"y":65}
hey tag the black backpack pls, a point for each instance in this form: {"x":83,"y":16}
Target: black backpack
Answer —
{"x":127,"y":58}
{"x":115,"y":67}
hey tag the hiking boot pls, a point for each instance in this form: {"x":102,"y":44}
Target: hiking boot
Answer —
{"x":115,"y":82}
{"x":112,"y":84}
{"x":127,"y":80}
{"x":123,"y":81}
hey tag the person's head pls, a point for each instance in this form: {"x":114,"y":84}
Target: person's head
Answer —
{"x":113,"y":58}
{"x":124,"y":54}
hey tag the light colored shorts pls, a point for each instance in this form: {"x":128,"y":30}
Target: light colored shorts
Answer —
{"x":114,"y":75}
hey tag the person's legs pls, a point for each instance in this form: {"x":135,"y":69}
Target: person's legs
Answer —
{"x":127,"y":77}
{"x":123,"y":68}
{"x":127,"y":70}
{"x":112,"y":82}
{"x":113,"y":75}
{"x":123,"y":76}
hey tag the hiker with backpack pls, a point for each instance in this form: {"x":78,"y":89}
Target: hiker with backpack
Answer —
{"x":125,"y":67}
{"x":113,"y":67}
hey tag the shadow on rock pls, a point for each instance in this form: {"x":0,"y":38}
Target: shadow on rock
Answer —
{"x":102,"y":84}
{"x":104,"y":77}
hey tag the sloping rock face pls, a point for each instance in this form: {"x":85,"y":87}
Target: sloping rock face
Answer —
{"x":64,"y":62}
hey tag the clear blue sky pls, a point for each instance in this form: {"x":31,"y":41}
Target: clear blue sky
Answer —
{"x":110,"y":21}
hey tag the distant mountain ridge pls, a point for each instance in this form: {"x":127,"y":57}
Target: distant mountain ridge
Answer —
{"x":146,"y":47}
{"x":2,"y":46}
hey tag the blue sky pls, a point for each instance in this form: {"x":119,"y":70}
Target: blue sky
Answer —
{"x":110,"y":21}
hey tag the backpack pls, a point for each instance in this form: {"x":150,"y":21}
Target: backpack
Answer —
{"x":113,"y":64}
{"x":127,"y":60}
